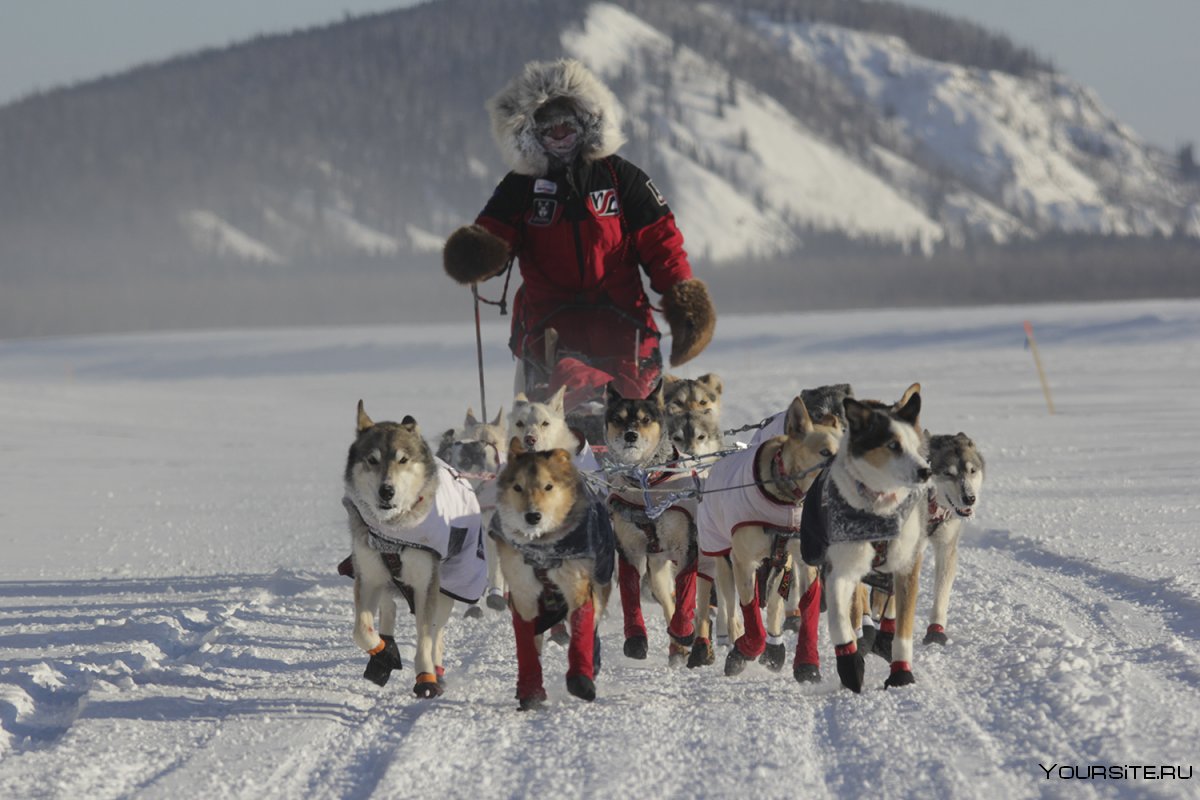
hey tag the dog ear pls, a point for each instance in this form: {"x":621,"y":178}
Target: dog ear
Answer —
{"x":559,"y":458}
{"x":831,"y":421}
{"x":910,"y":411}
{"x":515,"y":448}
{"x":364,"y":421}
{"x":908,"y":393}
{"x":657,"y":393}
{"x":858,"y":415}
{"x":499,"y":416}
{"x":797,"y":422}
{"x":556,"y":399}
{"x":470,"y":421}
{"x":713,"y":381}
{"x":409,"y":423}
{"x":611,"y":395}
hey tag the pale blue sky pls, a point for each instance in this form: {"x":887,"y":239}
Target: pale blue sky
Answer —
{"x":1142,"y":56}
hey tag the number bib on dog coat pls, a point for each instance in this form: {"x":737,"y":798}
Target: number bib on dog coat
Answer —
{"x":723,"y":510}
{"x":452,"y":529}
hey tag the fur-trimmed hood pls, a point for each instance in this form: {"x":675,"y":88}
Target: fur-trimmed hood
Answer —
{"x":513,"y":108}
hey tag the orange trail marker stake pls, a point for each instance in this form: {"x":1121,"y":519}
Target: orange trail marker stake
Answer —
{"x":1037,"y":360}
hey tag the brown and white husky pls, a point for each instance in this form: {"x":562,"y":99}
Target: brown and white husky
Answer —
{"x":556,"y":547}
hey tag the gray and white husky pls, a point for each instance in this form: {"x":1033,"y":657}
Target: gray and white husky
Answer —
{"x":700,"y":395}
{"x":867,"y":517}
{"x":415,"y":529}
{"x":478,"y":449}
{"x":958,"y":469}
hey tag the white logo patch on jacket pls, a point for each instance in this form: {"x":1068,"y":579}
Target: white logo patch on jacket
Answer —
{"x":604,"y":202}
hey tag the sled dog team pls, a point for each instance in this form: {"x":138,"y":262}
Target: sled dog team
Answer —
{"x":834,"y":494}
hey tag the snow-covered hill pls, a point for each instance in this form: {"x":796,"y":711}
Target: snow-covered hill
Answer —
{"x":171,"y":625}
{"x":1042,"y":148}
{"x":764,"y":122}
{"x":972,"y":153}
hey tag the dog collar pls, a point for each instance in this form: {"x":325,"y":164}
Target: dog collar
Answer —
{"x":780,"y":476}
{"x":874,"y":496}
{"x":937,"y":514}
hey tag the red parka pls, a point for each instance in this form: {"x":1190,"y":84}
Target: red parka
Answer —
{"x":581,"y":236}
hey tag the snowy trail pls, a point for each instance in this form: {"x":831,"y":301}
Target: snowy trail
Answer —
{"x":227,"y":670}
{"x":174,"y":626}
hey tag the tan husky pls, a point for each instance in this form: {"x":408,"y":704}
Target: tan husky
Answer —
{"x":556,"y":551}
{"x":750,"y":512}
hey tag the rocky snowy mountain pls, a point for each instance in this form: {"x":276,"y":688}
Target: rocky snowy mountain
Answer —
{"x":767,"y":123}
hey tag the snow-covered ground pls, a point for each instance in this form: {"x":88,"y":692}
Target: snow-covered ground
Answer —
{"x":171,"y":624}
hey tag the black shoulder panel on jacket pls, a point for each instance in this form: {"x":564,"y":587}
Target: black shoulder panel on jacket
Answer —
{"x":510,"y":200}
{"x":643,"y":202}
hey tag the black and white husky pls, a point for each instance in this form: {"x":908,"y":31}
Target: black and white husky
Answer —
{"x":867,"y":517}
{"x":958,"y":469}
{"x":415,"y":529}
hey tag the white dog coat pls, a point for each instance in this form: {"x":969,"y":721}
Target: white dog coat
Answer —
{"x":452,"y":529}
{"x":723,"y":509}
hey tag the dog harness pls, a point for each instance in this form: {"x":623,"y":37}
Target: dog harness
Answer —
{"x":937,"y":514}
{"x":726,"y":509}
{"x":626,"y":504}
{"x":452,"y":530}
{"x":591,"y":539}
{"x":828,"y":518}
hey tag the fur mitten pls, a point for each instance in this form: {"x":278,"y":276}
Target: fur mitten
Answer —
{"x":473,"y":253}
{"x":690,"y":314}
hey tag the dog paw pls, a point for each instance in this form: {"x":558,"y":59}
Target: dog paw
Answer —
{"x":380,"y":666}
{"x":901,"y":677}
{"x":677,"y":654}
{"x":377,"y":673}
{"x":773,"y":657}
{"x":702,"y":654}
{"x":792,"y":623}
{"x":559,"y":635}
{"x":866,"y":642}
{"x":582,"y":687}
{"x":427,"y":686}
{"x":936,"y":634}
{"x":636,"y":647}
{"x":806,"y":673}
{"x":735,"y":662}
{"x":496,"y":602}
{"x":851,"y":669}
{"x":882,"y":646}
{"x":532,"y":701}
{"x":473,"y":612}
